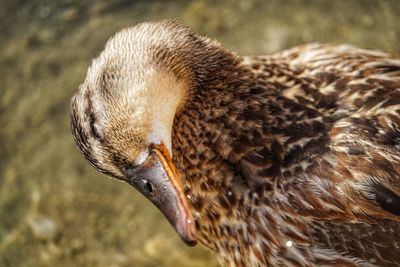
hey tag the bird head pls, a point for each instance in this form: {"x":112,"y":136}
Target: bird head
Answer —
{"x":122,"y":114}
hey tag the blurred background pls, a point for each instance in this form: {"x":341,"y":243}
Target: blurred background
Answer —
{"x":55,"y":209}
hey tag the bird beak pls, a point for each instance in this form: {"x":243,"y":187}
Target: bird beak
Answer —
{"x":158,"y":180}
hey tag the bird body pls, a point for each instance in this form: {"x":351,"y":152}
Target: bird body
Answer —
{"x":283,"y":160}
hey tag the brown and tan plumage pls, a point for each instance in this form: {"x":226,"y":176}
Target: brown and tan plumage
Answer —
{"x":291,"y":159}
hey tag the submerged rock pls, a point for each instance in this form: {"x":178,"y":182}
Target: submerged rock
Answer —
{"x":43,"y":228}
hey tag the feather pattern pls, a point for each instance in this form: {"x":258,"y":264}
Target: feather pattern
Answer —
{"x":290,"y":159}
{"x":297,"y":164}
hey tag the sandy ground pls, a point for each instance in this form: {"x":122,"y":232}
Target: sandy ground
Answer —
{"x":56,"y":210}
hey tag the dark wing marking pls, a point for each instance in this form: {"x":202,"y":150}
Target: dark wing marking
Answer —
{"x":386,"y":198}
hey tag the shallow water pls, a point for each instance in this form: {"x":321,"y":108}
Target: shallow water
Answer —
{"x":56,"y":210}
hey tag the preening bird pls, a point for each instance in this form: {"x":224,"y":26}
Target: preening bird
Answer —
{"x":291,"y":159}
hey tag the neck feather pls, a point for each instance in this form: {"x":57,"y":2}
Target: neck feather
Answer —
{"x":165,"y":98}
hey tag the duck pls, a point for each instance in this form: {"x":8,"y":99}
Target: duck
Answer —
{"x":289,"y":159}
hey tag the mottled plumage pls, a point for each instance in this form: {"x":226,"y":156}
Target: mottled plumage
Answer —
{"x":291,"y":159}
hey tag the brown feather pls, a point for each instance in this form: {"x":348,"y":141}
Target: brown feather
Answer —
{"x":287,"y":160}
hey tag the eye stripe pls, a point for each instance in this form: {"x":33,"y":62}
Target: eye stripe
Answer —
{"x":93,"y":129}
{"x":91,"y":116}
